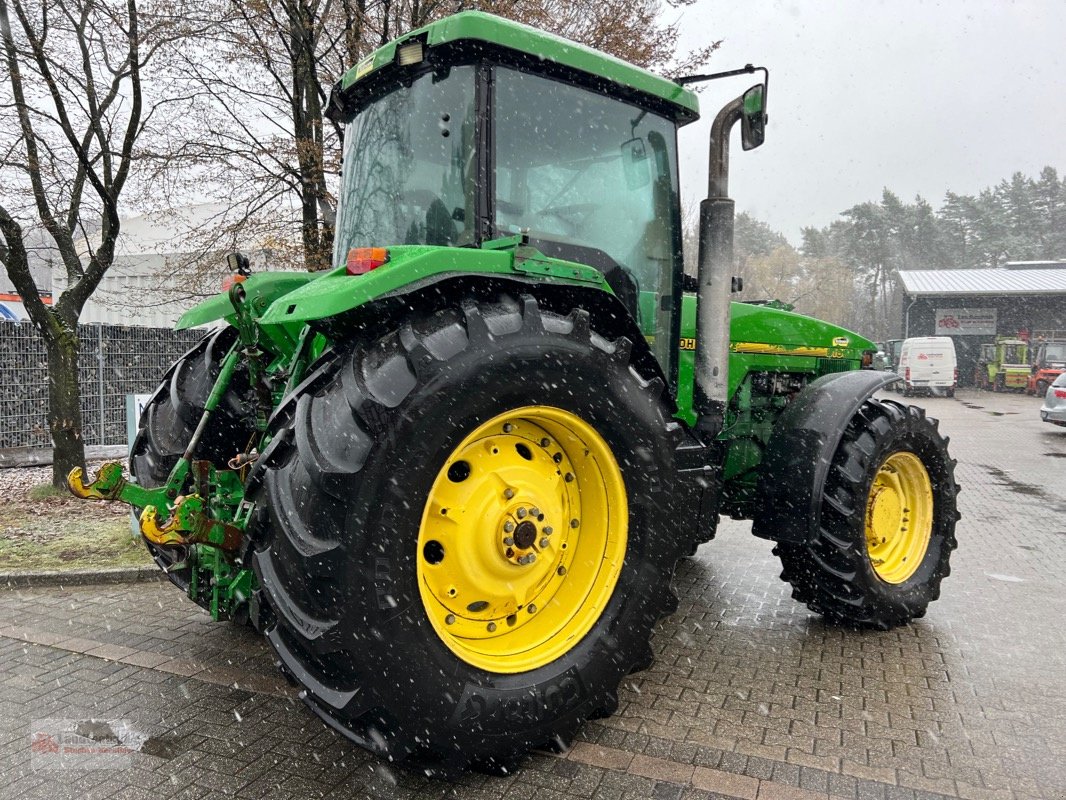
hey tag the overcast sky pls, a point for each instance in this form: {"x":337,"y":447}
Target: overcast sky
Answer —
{"x":921,"y":97}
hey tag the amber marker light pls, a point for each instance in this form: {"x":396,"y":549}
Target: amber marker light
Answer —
{"x":362,"y":260}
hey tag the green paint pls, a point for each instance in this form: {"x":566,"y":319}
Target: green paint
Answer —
{"x":480,"y":27}
{"x":772,"y":326}
{"x":261,"y":289}
{"x":337,"y":292}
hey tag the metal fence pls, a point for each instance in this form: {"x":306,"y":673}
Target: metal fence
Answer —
{"x":113,"y":361}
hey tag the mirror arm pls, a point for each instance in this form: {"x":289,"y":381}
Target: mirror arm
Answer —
{"x":747,"y":69}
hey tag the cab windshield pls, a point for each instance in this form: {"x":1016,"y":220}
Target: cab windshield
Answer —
{"x":1012,"y":354}
{"x":409,"y":167}
{"x":1055,"y":352}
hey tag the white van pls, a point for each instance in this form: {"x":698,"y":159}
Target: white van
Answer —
{"x":928,"y":362}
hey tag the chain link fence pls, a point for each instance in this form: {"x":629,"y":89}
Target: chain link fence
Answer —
{"x":113,"y":361}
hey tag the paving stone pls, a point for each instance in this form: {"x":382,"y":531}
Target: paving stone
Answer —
{"x":727,"y":783}
{"x":748,"y":685}
{"x":769,"y":790}
{"x":660,"y":769}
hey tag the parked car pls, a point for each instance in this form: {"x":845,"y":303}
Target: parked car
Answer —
{"x":1054,"y":408}
{"x":927,"y":363}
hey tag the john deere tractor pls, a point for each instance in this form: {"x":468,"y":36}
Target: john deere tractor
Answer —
{"x":449,"y":479}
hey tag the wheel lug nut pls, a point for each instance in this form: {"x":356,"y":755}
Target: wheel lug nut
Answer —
{"x":573,"y":523}
{"x":561,"y":570}
{"x":450,"y":619}
{"x":491,"y":627}
{"x":544,"y":442}
{"x":508,"y":526}
{"x":508,"y":493}
{"x":569,"y":477}
{"x":548,"y":530}
{"x":534,"y":512}
{"x":521,"y":513}
{"x":543,"y":543}
{"x":508,"y":427}
{"x":507,"y":540}
{"x":532,"y":609}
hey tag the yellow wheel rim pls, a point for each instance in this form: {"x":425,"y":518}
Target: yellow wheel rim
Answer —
{"x":522,"y":539}
{"x":899,"y":517}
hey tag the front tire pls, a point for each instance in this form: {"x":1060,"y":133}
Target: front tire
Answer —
{"x":382,"y":548}
{"x":887,"y":525}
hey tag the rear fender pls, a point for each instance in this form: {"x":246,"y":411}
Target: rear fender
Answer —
{"x":801,"y":450}
{"x":607,"y":314}
{"x":261,"y":289}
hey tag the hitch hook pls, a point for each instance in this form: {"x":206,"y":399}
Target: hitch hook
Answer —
{"x":108,"y":484}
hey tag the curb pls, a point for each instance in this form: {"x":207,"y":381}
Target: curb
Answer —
{"x":42,"y":456}
{"x":31,"y":580}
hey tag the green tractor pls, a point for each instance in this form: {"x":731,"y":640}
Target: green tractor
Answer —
{"x":450,"y":479}
{"x":1003,"y":365}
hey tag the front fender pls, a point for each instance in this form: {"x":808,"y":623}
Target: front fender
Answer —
{"x":801,"y":450}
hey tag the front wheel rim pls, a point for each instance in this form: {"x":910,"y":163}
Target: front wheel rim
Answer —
{"x":522,"y":540}
{"x":899,"y":517}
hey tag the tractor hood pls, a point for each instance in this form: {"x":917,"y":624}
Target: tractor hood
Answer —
{"x":760,"y":329}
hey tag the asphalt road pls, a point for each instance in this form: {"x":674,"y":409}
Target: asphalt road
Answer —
{"x":751,"y":696}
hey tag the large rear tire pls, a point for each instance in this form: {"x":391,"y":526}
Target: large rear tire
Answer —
{"x":169,"y":419}
{"x":391,"y":540}
{"x":887,"y":523}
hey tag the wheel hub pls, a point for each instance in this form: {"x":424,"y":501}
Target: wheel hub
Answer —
{"x":509,"y":576}
{"x":899,"y":517}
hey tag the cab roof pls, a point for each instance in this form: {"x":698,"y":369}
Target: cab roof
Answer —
{"x":479,"y":27}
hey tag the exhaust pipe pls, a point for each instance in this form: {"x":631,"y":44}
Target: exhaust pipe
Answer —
{"x":715,"y":280}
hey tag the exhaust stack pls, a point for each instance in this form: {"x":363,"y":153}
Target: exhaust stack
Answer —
{"x":715,"y":282}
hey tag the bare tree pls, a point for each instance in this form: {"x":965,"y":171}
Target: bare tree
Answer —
{"x":73,"y":111}
{"x":272,"y":67}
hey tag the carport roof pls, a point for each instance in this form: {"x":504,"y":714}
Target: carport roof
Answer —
{"x":1017,"y":278}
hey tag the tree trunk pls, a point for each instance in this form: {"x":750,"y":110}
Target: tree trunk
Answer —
{"x":64,"y":406}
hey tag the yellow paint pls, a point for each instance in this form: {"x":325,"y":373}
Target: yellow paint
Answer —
{"x":768,"y":349}
{"x":899,"y":517}
{"x":363,"y":67}
{"x":501,"y":599}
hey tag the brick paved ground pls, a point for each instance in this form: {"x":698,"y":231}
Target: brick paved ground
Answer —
{"x":750,"y":696}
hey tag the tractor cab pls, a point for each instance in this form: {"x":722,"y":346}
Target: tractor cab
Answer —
{"x":464,"y":133}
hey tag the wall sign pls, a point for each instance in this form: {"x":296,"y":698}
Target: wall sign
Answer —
{"x":965,"y":322}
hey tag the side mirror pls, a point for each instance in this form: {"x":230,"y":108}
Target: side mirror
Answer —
{"x":753,"y":117}
{"x":635,"y":164}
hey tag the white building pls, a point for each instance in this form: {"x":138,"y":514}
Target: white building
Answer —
{"x":165,"y":262}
